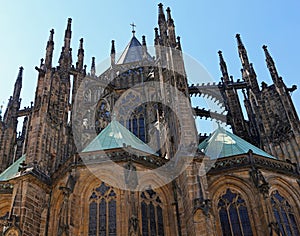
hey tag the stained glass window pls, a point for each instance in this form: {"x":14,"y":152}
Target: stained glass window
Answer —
{"x":233,"y":215}
{"x":152,"y":214}
{"x":142,"y":128}
{"x":135,"y":122}
{"x":160,"y":221}
{"x":135,"y":126}
{"x":92,"y":219}
{"x":102,"y":212}
{"x":112,"y":227}
{"x":144,"y":219}
{"x":284,"y":215}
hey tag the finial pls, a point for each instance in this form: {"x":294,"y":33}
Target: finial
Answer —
{"x":156,"y":32}
{"x":42,"y":62}
{"x":133,"y":28}
{"x":93,"y":68}
{"x":21,"y":69}
{"x":169,"y":17}
{"x":223,"y":66}
{"x":81,"y":43}
{"x":51,"y":35}
{"x":156,"y":38}
{"x":113,"y":49}
{"x":222,"y":61}
{"x":238,"y":37}
{"x":178,"y":43}
{"x":144,"y":40}
{"x":20,"y":72}
{"x":69,"y":22}
{"x":68,"y":30}
{"x":161,"y":15}
{"x":113,"y":53}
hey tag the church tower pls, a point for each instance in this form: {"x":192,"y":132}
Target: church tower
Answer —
{"x":280,"y":119}
{"x":117,"y":152}
{"x":8,"y":134}
{"x":48,"y":139}
{"x":235,"y":117}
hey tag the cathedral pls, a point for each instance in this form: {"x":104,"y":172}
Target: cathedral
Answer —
{"x":118,"y":153}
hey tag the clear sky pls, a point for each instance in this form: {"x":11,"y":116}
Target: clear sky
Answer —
{"x":204,"y":26}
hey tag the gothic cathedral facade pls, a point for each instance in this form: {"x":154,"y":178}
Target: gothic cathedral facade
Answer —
{"x":119,"y":154}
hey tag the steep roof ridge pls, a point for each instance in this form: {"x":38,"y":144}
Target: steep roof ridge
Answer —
{"x":222,"y":143}
{"x":115,"y":135}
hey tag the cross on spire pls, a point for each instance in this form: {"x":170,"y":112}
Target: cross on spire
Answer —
{"x":133,"y":28}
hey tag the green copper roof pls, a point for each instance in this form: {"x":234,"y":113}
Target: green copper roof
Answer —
{"x":222,"y":143}
{"x":116,"y":135}
{"x":12,"y":170}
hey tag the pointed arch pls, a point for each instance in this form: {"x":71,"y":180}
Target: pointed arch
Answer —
{"x":284,"y":201}
{"x":233,"y":214}
{"x":151,"y":213}
{"x":284,"y":214}
{"x":234,"y":205}
{"x":102,"y":211}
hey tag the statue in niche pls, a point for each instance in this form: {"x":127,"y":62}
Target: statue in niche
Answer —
{"x":259,"y":180}
{"x":102,"y":116}
{"x":134,"y":229}
{"x":88,"y":96}
{"x":131,"y":178}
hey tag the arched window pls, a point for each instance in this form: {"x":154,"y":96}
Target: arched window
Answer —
{"x":284,"y":215}
{"x":135,"y":126}
{"x":152,"y":214}
{"x":102,"y":212}
{"x":142,"y":128}
{"x":134,"y":122}
{"x":234,"y":215}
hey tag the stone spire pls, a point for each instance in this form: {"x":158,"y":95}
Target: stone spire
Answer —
{"x":223,"y":67}
{"x":18,"y":85}
{"x":10,"y":121}
{"x":144,"y":46}
{"x":49,"y":50}
{"x":242,"y":51}
{"x":68,"y":34}
{"x":171,"y":28}
{"x":271,"y":66}
{"x":162,"y":23}
{"x":65,"y":59}
{"x":80,"y":55}
{"x":113,"y":53}
{"x":248,"y":72}
{"x":156,"y":38}
{"x":93,"y":67}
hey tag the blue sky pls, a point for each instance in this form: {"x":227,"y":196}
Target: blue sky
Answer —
{"x":204,"y":26}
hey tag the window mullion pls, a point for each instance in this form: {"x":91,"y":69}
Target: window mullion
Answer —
{"x":229,"y":219}
{"x":239,"y":217}
{"x":287,"y":212}
{"x":278,"y":205}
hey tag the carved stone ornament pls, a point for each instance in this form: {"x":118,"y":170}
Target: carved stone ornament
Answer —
{"x":12,"y":228}
{"x":134,"y":226}
{"x":259,"y":180}
{"x":12,"y":231}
